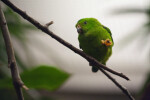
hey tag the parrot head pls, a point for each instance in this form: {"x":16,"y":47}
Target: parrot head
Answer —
{"x":85,"y":24}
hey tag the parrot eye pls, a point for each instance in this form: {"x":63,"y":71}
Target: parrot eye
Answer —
{"x":85,"y":22}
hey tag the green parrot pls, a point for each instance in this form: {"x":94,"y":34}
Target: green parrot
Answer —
{"x":95,"y":39}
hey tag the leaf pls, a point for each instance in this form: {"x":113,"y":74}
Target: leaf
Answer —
{"x":16,"y":26}
{"x":145,"y":84}
{"x":42,"y":77}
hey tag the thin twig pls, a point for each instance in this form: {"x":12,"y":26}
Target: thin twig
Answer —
{"x":17,"y":82}
{"x":90,"y":59}
{"x":48,"y":24}
{"x":124,"y":90}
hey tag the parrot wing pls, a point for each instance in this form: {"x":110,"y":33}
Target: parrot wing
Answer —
{"x":108,"y":30}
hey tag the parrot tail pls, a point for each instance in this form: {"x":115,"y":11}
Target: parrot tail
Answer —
{"x":94,"y":69}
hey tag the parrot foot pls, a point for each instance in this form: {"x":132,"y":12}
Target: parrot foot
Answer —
{"x":106,"y":42}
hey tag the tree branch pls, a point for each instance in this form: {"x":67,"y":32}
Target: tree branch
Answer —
{"x":90,"y":59}
{"x":124,"y":90}
{"x":17,"y":82}
{"x":45,"y":29}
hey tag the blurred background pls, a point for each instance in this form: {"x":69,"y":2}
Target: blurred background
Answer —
{"x":67,"y":76}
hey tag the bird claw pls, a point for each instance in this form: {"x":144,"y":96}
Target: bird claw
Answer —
{"x":106,"y":42}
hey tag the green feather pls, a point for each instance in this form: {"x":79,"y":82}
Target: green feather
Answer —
{"x":90,"y":39}
{"x":108,"y":30}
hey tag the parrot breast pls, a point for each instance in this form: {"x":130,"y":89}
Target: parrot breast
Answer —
{"x":92,"y":45}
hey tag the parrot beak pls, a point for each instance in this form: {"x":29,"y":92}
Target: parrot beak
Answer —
{"x":79,"y":29}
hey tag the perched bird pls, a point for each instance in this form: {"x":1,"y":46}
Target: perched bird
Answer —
{"x":95,"y":39}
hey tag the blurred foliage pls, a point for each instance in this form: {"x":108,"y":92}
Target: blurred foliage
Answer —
{"x":17,"y":29}
{"x":11,"y":95}
{"x":44,"y":77}
{"x":146,"y":92}
{"x":144,"y":33}
{"x":16,"y":26}
{"x":40,"y":77}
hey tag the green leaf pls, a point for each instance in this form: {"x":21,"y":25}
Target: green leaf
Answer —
{"x":41,"y":77}
{"x":5,"y":83}
{"x":44,"y":77}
